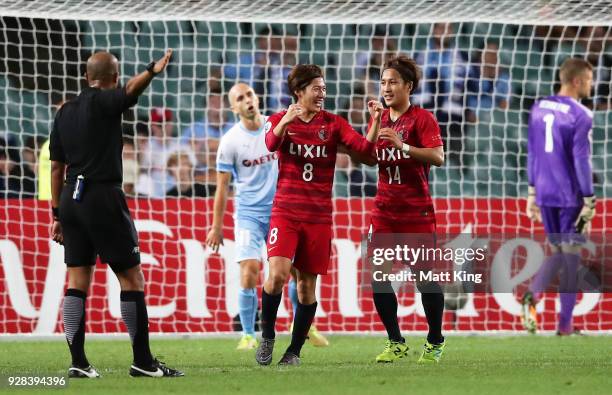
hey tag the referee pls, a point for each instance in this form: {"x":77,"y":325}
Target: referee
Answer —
{"x":90,"y":214}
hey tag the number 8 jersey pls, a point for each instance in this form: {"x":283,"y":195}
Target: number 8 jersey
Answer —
{"x":306,"y":162}
{"x":403,"y":184}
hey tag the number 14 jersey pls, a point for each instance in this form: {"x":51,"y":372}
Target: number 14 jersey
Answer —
{"x":403,"y":184}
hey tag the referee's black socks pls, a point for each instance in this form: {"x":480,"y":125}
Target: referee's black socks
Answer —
{"x":74,"y":325}
{"x":304,"y":315}
{"x":269,"y":310}
{"x":134,"y":314}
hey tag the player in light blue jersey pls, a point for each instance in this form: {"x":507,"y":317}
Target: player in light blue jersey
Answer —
{"x":243,"y":154}
{"x":561,"y":186}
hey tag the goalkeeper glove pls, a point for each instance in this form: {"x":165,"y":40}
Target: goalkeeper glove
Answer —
{"x":586,"y":214}
{"x":533,"y":211}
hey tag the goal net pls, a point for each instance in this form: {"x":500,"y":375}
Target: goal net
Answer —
{"x":484,"y":64}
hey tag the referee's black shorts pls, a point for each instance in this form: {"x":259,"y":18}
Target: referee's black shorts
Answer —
{"x":99,"y":224}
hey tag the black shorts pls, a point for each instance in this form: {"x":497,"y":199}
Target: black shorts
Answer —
{"x":99,"y":224}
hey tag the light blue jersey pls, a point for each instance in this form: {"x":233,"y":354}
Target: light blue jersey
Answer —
{"x":244,"y":153}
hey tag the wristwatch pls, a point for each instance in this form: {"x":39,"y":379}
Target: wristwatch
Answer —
{"x":150,"y":68}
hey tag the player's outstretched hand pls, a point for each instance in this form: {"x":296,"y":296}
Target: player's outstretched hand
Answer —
{"x":391,"y":136}
{"x":214,"y":239}
{"x":56,"y":232}
{"x":375,"y":108}
{"x":532,"y":210}
{"x":161,"y":64}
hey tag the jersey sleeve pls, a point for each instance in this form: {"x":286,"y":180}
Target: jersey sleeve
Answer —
{"x":581,"y":150}
{"x":352,"y":139}
{"x":115,"y":101}
{"x":273,"y":142}
{"x":428,"y":131}
{"x":530,"y":150}
{"x":226,"y":156}
{"x":56,"y":151}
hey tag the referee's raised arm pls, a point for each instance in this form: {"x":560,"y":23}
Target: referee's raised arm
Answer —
{"x":137,"y":84}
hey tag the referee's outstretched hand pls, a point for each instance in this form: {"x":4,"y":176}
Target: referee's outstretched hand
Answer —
{"x":56,"y":232}
{"x":161,"y":64}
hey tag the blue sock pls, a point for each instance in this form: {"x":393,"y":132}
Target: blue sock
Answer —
{"x":293,"y":295}
{"x":247,"y":301}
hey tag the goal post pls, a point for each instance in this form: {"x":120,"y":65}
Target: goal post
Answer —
{"x":500,"y":56}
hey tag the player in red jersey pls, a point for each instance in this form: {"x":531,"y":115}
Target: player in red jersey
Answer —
{"x":409,"y":143}
{"x":306,"y":138}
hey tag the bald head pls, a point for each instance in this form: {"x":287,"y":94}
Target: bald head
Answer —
{"x":243,"y":101}
{"x":239,"y":89}
{"x":103,"y":68}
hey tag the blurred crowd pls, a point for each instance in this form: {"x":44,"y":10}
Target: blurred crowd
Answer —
{"x":162,"y":160}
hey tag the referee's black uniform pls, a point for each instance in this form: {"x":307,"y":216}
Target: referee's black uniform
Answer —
{"x":87,"y":137}
{"x":90,"y":214}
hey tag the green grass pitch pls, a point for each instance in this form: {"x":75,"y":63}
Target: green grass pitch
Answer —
{"x":471,"y":365}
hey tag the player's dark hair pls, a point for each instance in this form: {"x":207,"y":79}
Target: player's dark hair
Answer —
{"x":301,"y":76}
{"x":572,"y":68}
{"x":406,"y":67}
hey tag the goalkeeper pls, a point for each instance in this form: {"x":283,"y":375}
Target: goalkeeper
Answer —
{"x":560,"y":186}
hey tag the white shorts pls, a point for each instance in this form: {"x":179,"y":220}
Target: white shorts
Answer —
{"x":250,"y":234}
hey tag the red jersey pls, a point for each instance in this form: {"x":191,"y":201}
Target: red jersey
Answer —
{"x":306,"y":162}
{"x":403,"y":183}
